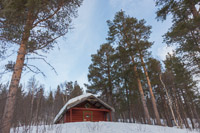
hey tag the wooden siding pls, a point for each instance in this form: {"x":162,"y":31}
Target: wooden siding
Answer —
{"x":77,"y":115}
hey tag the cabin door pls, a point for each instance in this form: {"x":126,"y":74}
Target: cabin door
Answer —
{"x":87,"y":115}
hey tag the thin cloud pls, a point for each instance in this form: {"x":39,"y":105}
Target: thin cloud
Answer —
{"x":163,"y":51}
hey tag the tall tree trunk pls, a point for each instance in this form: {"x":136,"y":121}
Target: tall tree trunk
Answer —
{"x":193,"y":110}
{"x":133,"y":115}
{"x":196,"y":114}
{"x":169,"y":101}
{"x":166,"y":110}
{"x":151,"y":92}
{"x":184,"y":116}
{"x":38,"y":108}
{"x":32,"y":100}
{"x":110,"y":91}
{"x":11,"y":98}
{"x":180,"y":121}
{"x":189,"y":108}
{"x":16,"y":76}
{"x":109,"y":81}
{"x":146,"y":112}
{"x":167,"y":114}
{"x":128,"y":102}
{"x":131,"y":106}
{"x":128,"y":97}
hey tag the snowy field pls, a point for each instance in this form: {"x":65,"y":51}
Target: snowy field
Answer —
{"x":100,"y":127}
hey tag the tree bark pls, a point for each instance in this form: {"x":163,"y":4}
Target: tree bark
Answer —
{"x":16,"y":76}
{"x":196,"y":114}
{"x":151,"y":92}
{"x":167,"y":114}
{"x":146,"y":112}
{"x":110,"y":91}
{"x":169,"y":101}
{"x":11,"y":98}
{"x":180,"y":121}
{"x":184,"y":116}
{"x":32,"y":101}
{"x":38,"y":107}
{"x":189,"y":108}
{"x":193,"y":110}
{"x":166,"y":110}
{"x":128,"y":102}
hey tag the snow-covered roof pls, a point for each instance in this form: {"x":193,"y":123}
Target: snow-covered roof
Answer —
{"x":75,"y":101}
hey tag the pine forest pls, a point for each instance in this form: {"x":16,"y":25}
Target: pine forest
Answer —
{"x":123,"y":71}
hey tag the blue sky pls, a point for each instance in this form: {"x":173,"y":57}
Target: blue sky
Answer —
{"x":73,"y":57}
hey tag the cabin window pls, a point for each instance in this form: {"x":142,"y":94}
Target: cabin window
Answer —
{"x":87,"y":116}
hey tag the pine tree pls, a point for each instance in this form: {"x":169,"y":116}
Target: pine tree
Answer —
{"x":49,"y":108}
{"x":154,"y":68}
{"x":3,"y":97}
{"x":183,"y":85}
{"x":33,"y":87}
{"x":39,"y":97}
{"x":67,"y":88}
{"x":121,"y":32}
{"x":141,"y":34}
{"x":100,"y":73}
{"x":33,"y":25}
{"x":58,"y":101}
{"x":185,"y":31}
{"x":77,"y":90}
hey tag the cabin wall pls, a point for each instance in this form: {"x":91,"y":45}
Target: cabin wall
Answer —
{"x":77,"y":116}
{"x":67,"y":117}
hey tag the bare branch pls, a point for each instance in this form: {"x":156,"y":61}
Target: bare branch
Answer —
{"x":39,"y":55}
{"x":33,"y":58}
{"x":4,"y":72}
{"x":3,"y":58}
{"x":38,"y":71}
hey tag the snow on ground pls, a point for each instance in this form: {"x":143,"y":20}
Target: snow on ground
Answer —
{"x":100,"y":127}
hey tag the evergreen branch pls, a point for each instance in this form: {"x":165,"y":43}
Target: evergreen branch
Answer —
{"x":43,"y":46}
{"x":50,"y":16}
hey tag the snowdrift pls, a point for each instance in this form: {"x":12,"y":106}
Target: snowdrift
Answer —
{"x":99,"y":127}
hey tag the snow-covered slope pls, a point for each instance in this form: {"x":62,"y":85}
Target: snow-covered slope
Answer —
{"x":100,"y":127}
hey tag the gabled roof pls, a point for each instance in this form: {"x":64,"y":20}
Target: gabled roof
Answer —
{"x":77,"y":100}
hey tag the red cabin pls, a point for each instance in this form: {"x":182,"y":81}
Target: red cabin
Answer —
{"x":85,"y":107}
